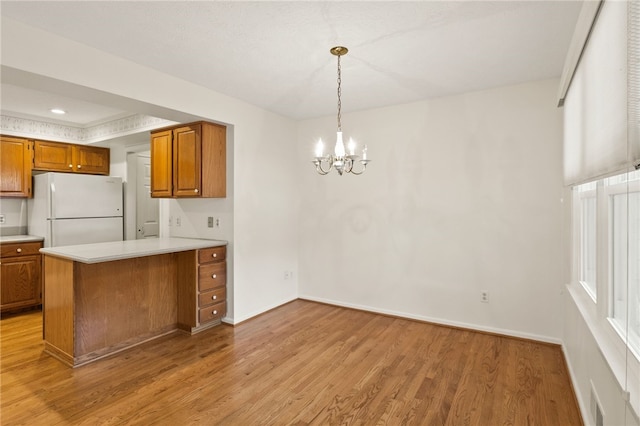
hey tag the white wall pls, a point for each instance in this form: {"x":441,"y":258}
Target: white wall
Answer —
{"x":15,"y":216}
{"x":463,"y":195}
{"x":264,"y":232}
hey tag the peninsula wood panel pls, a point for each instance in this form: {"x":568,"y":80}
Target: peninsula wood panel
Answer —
{"x":302,"y":363}
{"x":58,"y":307}
{"x":120,"y":302}
{"x":187,"y":278}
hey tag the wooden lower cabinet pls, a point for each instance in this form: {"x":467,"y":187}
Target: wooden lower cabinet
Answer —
{"x":21,"y":276}
{"x":202,"y":301}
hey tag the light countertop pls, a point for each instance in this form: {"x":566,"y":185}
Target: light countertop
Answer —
{"x":117,"y":250}
{"x":19,"y":238}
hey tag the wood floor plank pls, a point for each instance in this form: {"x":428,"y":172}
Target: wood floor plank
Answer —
{"x":303,"y":363}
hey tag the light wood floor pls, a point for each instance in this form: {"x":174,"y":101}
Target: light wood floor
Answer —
{"x":302,"y":363}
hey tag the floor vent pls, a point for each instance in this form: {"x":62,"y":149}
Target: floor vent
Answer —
{"x":596,"y":410}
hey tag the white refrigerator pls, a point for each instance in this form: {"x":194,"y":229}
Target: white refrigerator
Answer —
{"x":69,"y":209}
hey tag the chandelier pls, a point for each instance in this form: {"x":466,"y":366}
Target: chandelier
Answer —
{"x":339,"y":160}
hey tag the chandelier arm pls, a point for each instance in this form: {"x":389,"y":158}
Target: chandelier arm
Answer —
{"x":319,"y":167}
{"x":364,"y":167}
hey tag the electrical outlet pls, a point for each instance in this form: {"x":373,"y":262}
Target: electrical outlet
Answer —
{"x":484,"y":296}
{"x":178,"y":221}
{"x":288,"y":275}
{"x":2,"y":219}
{"x":210,"y":222}
{"x":217,"y":222}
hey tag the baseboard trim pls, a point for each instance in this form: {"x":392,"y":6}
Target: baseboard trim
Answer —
{"x":235,"y":321}
{"x":431,"y":320}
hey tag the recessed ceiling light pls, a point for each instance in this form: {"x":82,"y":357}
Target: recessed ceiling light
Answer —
{"x":58,"y":111}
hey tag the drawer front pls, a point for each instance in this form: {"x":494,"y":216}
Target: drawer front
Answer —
{"x":212,"y":275}
{"x":212,"y":313}
{"x":216,"y":296}
{"x":213,"y":254}
{"x":20,"y":249}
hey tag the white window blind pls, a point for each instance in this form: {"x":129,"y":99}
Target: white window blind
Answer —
{"x":633,"y":80}
{"x":597,"y":105}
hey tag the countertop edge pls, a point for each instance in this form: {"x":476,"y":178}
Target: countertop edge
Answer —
{"x":18,"y":239}
{"x":107,"y":252}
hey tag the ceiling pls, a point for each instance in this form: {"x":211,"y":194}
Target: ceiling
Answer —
{"x":276,"y":54}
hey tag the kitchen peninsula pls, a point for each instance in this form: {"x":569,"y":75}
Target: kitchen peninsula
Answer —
{"x":102,"y":298}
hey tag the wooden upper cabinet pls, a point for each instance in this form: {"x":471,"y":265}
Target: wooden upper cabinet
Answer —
{"x":189,"y":161}
{"x":161,"y":164}
{"x":53,"y":156}
{"x":91,"y":159}
{"x":66,"y":157}
{"x":16,"y":160}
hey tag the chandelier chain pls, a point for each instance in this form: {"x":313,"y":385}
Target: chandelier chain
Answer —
{"x":339,"y":96}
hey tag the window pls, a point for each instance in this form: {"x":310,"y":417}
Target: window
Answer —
{"x":624,"y":255}
{"x":588,"y":207}
{"x":607,"y":248}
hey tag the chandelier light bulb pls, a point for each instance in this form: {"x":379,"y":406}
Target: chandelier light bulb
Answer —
{"x":352,"y":147}
{"x":319,"y":149}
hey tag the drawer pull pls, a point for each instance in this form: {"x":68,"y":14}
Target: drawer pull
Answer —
{"x":79,"y":166}
{"x":214,"y":297}
{"x":215,"y":255}
{"x":71,"y":166}
{"x":19,"y":250}
{"x":214,"y":276}
{"x":215,"y":312}
{"x":195,"y":190}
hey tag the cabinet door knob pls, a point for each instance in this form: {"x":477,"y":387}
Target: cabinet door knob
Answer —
{"x":215,"y":255}
{"x":19,"y":250}
{"x":214,"y":297}
{"x":214,"y":276}
{"x":195,"y":190}
{"x":71,"y":166}
{"x":79,"y":166}
{"x":215,"y":312}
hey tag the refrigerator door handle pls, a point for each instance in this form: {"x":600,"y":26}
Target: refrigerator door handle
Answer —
{"x":53,"y":205}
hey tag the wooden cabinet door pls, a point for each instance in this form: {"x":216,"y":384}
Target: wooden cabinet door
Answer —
{"x":16,"y":159}
{"x":187,"y":161}
{"x":161,"y":164}
{"x":91,"y":159}
{"x":53,"y":156}
{"x":21,"y":281}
